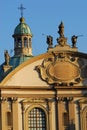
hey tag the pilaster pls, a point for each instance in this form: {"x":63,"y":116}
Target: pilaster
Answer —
{"x":3,"y":125}
{"x":77,"y":114}
{"x":49,"y":104}
{"x":71,"y":115}
{"x":54,"y":115}
{"x":15,"y":113}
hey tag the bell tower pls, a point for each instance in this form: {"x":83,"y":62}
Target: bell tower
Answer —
{"x":22,"y":37}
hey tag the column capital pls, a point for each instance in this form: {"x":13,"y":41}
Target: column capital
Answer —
{"x":64,"y":99}
{"x":14,"y":99}
{"x":2,"y":99}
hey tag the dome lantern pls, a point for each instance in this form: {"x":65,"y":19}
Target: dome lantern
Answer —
{"x":22,"y":37}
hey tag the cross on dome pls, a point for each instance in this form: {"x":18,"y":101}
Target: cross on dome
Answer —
{"x":21,"y":9}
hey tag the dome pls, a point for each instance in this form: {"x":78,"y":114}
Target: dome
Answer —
{"x":22,"y":28}
{"x":14,"y":62}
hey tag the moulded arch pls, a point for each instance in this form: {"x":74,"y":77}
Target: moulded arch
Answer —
{"x":31,"y":107}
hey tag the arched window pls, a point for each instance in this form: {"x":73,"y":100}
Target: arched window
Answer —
{"x":36,"y":119}
{"x":25,"y":42}
{"x":19,"y":44}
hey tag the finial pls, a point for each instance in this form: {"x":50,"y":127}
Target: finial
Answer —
{"x":21,"y":9}
{"x":62,"y":40}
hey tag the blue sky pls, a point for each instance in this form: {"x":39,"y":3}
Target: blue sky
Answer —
{"x":43,"y":16}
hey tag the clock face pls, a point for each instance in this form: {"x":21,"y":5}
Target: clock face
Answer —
{"x":63,"y":71}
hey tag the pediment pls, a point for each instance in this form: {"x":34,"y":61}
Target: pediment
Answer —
{"x":25,"y":74}
{"x":61,"y":68}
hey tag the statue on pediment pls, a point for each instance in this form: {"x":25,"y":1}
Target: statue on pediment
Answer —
{"x":50,"y":41}
{"x":61,"y":29}
{"x":7,"y":57}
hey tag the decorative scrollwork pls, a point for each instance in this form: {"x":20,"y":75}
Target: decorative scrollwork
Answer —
{"x":55,"y":68}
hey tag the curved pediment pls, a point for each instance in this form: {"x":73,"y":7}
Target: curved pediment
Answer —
{"x":25,"y":74}
{"x":61,"y":68}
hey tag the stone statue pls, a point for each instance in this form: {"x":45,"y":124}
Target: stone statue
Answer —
{"x":61,"y":30}
{"x":7,"y":57}
{"x":49,"y":41}
{"x":74,"y":40}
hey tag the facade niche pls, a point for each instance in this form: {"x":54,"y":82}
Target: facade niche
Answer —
{"x":9,"y":117}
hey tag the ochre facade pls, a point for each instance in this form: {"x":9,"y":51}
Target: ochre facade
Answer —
{"x":45,"y":92}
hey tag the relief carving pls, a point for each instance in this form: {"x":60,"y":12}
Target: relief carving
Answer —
{"x":59,"y":69}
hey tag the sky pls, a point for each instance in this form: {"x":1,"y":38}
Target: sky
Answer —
{"x":43,"y":17}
